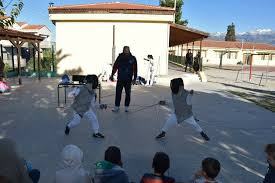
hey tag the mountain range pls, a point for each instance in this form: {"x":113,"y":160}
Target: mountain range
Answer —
{"x":258,"y":35}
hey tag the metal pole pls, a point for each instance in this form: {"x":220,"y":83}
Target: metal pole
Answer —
{"x":266,"y":75}
{"x":114,"y":45}
{"x":12,"y":58}
{"x":19,"y":64}
{"x":99,"y":93}
{"x":38,"y":67}
{"x":2,"y":53}
{"x":181,"y":54}
{"x":175,"y":9}
{"x":33,"y":52}
{"x":52,"y":58}
{"x":261,"y":79}
{"x":237,"y":76}
{"x":250,"y":70}
{"x":200,"y":61}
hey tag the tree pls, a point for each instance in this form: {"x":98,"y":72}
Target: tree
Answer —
{"x":171,"y":4}
{"x":8,"y":20}
{"x":231,"y":34}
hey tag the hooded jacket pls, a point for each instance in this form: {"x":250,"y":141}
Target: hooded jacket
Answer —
{"x":270,"y":175}
{"x":72,"y":171}
{"x":12,"y":166}
{"x":106,"y":172}
{"x":126,"y":66}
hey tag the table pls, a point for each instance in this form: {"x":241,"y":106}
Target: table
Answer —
{"x":66,"y":85}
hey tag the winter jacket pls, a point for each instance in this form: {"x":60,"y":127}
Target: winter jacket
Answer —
{"x":12,"y":166}
{"x":72,"y":170}
{"x":152,"y":178}
{"x":106,"y":172}
{"x":270,"y":175}
{"x":126,"y":66}
{"x":189,"y":59}
{"x":203,"y":180}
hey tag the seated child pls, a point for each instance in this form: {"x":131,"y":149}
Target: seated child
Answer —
{"x":72,"y":170}
{"x":270,"y":175}
{"x":161,"y":164}
{"x":210,"y":170}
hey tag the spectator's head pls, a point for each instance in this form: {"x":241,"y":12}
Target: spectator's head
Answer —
{"x":126,"y":50}
{"x":161,"y":163}
{"x":4,"y":179}
{"x":189,"y":50}
{"x":211,"y":168}
{"x":176,"y":84}
{"x":270,"y":152}
{"x":92,"y":81}
{"x":71,"y":156}
{"x":113,"y":155}
{"x":11,"y":167}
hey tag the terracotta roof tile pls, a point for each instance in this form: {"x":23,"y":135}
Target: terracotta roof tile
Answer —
{"x":235,"y":45}
{"x":3,"y":17}
{"x":33,"y":27}
{"x":21,"y":23}
{"x":117,"y":6}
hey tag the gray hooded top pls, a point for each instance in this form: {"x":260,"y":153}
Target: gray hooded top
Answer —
{"x":106,"y":172}
{"x":183,"y":110}
{"x":12,"y":166}
{"x":82,"y":101}
{"x":72,"y":171}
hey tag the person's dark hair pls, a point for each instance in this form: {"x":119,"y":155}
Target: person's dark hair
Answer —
{"x":175,"y":85}
{"x":211,"y":167}
{"x":161,"y":163}
{"x":92,"y":79}
{"x":4,"y":179}
{"x":270,"y":150}
{"x":126,"y":48}
{"x":113,"y":155}
{"x":150,"y":57}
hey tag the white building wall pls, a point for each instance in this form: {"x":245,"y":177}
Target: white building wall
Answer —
{"x":89,"y":44}
{"x":213,"y":58}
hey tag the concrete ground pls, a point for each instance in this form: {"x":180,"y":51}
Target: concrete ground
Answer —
{"x":238,"y":130}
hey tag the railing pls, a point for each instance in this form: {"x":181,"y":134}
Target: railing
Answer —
{"x":264,"y":75}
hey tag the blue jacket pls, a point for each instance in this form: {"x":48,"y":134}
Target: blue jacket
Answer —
{"x":126,"y":65}
{"x":270,"y":175}
{"x":106,"y":172}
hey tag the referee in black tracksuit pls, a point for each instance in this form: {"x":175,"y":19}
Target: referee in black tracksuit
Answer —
{"x":126,"y":65}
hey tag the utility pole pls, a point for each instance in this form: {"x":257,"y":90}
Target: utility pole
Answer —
{"x":175,"y":8}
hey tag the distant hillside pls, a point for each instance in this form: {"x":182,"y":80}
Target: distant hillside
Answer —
{"x":259,"y":35}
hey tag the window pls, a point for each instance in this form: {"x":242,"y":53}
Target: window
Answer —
{"x":218,"y":54}
{"x":273,"y":57}
{"x":204,"y":54}
{"x":263,"y":57}
{"x":270,"y":57}
{"x":231,"y":55}
{"x":234,"y":55}
{"x":228,"y":55}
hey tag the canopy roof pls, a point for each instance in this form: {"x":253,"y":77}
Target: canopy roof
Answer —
{"x":180,"y":34}
{"x":8,"y":34}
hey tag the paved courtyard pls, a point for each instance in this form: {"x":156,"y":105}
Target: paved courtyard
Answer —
{"x":238,"y":130}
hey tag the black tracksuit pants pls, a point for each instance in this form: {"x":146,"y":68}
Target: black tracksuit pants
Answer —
{"x":119,"y":87}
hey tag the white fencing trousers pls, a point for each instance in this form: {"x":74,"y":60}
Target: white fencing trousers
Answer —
{"x":172,"y":121}
{"x":91,"y":117}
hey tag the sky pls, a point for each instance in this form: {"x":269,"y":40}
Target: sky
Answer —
{"x":206,"y":15}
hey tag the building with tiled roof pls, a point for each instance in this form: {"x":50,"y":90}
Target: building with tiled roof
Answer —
{"x":93,"y":35}
{"x":9,"y":51}
{"x":234,"y":52}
